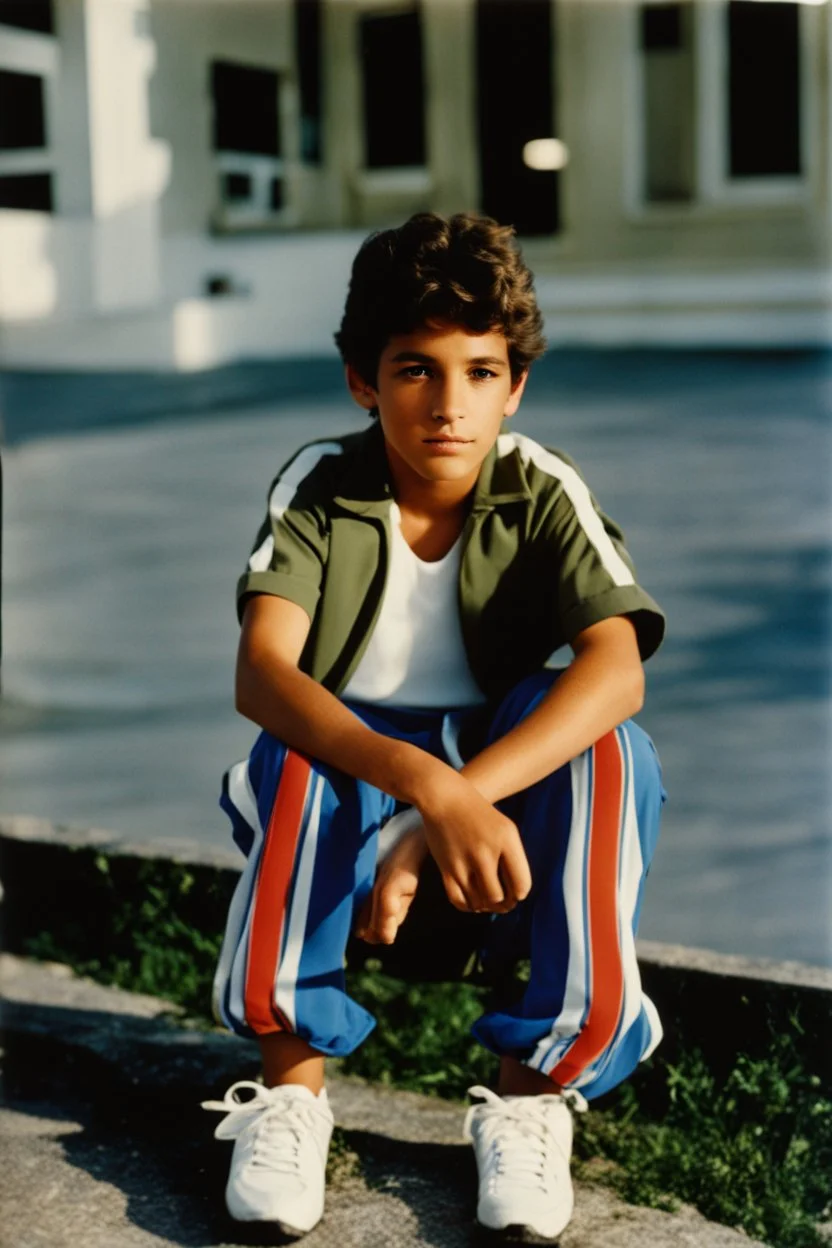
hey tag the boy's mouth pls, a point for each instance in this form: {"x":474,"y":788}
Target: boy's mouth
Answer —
{"x":448,"y":441}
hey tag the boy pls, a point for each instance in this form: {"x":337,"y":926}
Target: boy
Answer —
{"x":402,"y":598}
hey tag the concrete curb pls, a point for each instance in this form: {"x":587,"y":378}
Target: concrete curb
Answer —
{"x":714,"y":1002}
{"x":103,"y":1143}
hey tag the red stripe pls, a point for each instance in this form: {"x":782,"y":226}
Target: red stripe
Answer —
{"x":272,"y":895}
{"x":606,"y":968}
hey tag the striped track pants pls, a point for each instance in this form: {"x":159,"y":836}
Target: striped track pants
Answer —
{"x":310,"y":835}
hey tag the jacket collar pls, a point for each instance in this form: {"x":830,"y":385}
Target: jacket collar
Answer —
{"x":366,"y":487}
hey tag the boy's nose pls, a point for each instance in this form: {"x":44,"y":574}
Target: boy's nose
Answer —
{"x":448,"y":405}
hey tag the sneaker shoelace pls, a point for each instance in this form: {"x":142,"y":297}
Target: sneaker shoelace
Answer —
{"x":282,"y":1121}
{"x":517,"y":1133}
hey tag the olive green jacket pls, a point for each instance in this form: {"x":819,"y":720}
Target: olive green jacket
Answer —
{"x":540,"y":560}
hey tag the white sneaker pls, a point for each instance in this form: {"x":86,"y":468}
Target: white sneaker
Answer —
{"x":523,"y":1145}
{"x":278,"y":1167}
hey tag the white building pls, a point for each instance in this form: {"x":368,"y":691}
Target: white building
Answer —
{"x":184,"y":182}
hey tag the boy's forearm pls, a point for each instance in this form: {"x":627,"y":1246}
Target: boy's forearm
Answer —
{"x":601,"y":688}
{"x":299,"y":711}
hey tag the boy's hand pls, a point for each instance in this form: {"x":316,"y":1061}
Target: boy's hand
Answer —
{"x":395,"y":886}
{"x":477,"y":848}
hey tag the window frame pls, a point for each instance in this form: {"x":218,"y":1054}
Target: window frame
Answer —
{"x":36,"y":53}
{"x":234,"y":216}
{"x":714,"y":189}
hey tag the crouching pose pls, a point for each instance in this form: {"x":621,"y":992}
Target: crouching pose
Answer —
{"x":403,"y":596}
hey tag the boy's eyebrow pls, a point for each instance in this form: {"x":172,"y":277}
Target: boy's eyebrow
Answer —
{"x":401,"y":356}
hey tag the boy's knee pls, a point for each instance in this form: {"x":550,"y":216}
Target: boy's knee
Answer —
{"x":646,"y":765}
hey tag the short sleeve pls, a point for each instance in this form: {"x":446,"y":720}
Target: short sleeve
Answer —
{"x":290,"y":551}
{"x":596,"y":578}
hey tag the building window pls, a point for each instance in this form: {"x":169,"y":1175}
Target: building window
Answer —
{"x":245,"y":109}
{"x":763,"y":89}
{"x":247,"y":143}
{"x":22,"y":112}
{"x":32,"y":191}
{"x":515,"y":43}
{"x":308,"y":53}
{"x":393,"y":79}
{"x":669,"y":105}
{"x":28,"y":15}
{"x":728,"y":103}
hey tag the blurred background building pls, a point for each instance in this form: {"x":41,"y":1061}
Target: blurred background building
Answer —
{"x":183,"y":185}
{"x":183,"y":182}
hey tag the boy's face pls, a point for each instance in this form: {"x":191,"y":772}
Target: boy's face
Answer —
{"x":442,"y":393}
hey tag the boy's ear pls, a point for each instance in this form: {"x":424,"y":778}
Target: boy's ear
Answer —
{"x":516,"y":394}
{"x":363,"y":393}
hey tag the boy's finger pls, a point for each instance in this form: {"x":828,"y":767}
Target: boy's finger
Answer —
{"x":392,"y":912}
{"x":490,"y":892}
{"x":455,"y":894}
{"x":375,"y":911}
{"x":516,"y":874}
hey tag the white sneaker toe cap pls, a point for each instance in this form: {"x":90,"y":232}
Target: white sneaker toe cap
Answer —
{"x":251,"y":1201}
{"x":543,"y":1219}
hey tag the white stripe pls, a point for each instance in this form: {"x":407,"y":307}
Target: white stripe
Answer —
{"x":629,"y":878}
{"x":284,"y":491}
{"x":565,"y":1027}
{"x":451,"y":728}
{"x":656,"y":1029}
{"x":578,"y":494}
{"x":286,"y":977}
{"x":235,"y":939}
{"x":632,"y":869}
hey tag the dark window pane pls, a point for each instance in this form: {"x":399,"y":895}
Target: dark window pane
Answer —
{"x":245,"y":109}
{"x":28,"y":15}
{"x":26,"y":190}
{"x":276,"y":195}
{"x":763,"y":88}
{"x":661,"y":26}
{"x":394,"y":115}
{"x":236,"y":186}
{"x":669,"y":111}
{"x":308,"y":48}
{"x":515,"y":50}
{"x":22,"y":121}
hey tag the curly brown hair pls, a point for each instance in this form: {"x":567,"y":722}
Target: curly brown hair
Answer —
{"x":462,"y":270}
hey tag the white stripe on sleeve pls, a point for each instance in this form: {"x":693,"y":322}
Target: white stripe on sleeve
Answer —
{"x":578,"y":494}
{"x":284,"y":491}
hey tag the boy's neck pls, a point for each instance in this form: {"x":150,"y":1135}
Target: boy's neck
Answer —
{"x":429,"y":498}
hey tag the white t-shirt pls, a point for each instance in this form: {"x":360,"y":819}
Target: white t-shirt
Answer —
{"x":415,"y":655}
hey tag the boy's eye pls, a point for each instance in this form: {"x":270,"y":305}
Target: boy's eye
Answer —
{"x":422,"y":370}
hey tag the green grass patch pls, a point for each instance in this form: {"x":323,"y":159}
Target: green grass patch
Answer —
{"x":141,"y":930}
{"x":752,"y":1150}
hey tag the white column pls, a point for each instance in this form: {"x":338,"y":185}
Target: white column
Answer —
{"x":129,"y":168}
